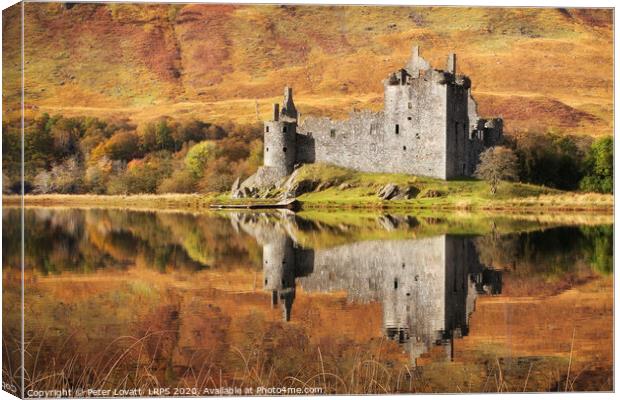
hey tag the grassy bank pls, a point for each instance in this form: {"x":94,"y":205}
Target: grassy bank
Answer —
{"x":339,"y":188}
{"x":344,"y":188}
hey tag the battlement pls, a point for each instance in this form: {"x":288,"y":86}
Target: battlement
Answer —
{"x":419,"y":68}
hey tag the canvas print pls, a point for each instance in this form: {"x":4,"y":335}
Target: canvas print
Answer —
{"x":235,"y":199}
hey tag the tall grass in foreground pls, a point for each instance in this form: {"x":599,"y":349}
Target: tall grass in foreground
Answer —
{"x":138,"y":363}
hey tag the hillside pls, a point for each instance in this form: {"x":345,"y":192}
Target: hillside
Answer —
{"x":541,"y":69}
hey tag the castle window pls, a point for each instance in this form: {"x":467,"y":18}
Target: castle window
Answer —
{"x":396,"y":129}
{"x":410,"y":105}
{"x":284,"y":129}
{"x":284,"y":149}
{"x":404,"y":147}
{"x":408,"y":118}
{"x":395,"y":283}
{"x":266,"y":129}
{"x":266,"y":149}
{"x":332,"y":133}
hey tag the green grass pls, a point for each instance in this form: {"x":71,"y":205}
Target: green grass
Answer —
{"x":463,"y":193}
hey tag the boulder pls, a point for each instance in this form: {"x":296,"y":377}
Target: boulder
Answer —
{"x":388,"y":191}
{"x":410,"y":192}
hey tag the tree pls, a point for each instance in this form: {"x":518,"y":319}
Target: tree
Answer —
{"x":67,"y":177}
{"x":197,"y":157}
{"x":122,"y":146}
{"x":599,"y":167}
{"x":550,"y":159}
{"x":497,"y":163}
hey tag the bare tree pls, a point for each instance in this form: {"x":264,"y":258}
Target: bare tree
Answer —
{"x":496,"y":164}
{"x":43,"y":183}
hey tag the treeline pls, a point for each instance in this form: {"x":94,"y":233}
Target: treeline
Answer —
{"x":88,"y":155}
{"x":564,"y":162}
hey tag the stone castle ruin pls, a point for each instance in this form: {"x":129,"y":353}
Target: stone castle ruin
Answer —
{"x":429,"y":126}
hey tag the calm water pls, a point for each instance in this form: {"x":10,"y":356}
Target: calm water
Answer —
{"x":171,"y":303}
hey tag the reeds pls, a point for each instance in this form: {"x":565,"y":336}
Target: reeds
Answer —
{"x":139,"y":364}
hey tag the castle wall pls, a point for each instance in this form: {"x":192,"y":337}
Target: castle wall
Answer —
{"x":372,"y":142}
{"x":419,"y":110}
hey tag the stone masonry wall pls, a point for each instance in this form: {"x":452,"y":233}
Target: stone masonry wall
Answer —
{"x":372,"y":142}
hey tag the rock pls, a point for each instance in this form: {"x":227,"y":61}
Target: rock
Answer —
{"x":236,"y":184}
{"x":406,"y":194}
{"x":303,"y":186}
{"x":287,"y":196}
{"x":324,"y":185}
{"x":388,"y":191}
{"x":234,"y":190}
{"x":388,"y":222}
{"x":345,"y":186}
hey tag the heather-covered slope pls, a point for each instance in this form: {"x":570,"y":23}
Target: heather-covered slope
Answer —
{"x":540,"y":69}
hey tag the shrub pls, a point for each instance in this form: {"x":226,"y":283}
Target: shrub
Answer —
{"x":218,"y":176}
{"x":181,"y":181}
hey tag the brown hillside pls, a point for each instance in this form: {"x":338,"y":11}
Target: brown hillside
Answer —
{"x":539,"y":68}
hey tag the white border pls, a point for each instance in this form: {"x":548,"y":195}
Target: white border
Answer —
{"x":551,"y":3}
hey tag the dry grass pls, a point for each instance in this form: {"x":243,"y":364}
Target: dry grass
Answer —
{"x":144,"y":61}
{"x":129,"y":363}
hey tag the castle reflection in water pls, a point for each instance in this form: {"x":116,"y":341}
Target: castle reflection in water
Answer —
{"x":427,"y":286}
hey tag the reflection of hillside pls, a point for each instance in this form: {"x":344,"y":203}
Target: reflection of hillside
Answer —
{"x":85,"y":240}
{"x":558,"y":256}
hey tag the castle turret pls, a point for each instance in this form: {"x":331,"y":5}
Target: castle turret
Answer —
{"x":280,"y":136}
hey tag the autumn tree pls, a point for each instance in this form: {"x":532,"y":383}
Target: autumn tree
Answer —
{"x":496,"y":164}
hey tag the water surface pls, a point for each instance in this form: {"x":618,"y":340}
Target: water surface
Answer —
{"x":336,"y":302}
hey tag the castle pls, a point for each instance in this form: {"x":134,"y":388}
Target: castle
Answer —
{"x":429,"y":126}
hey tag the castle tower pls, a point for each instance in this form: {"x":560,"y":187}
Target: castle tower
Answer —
{"x":280,"y":136}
